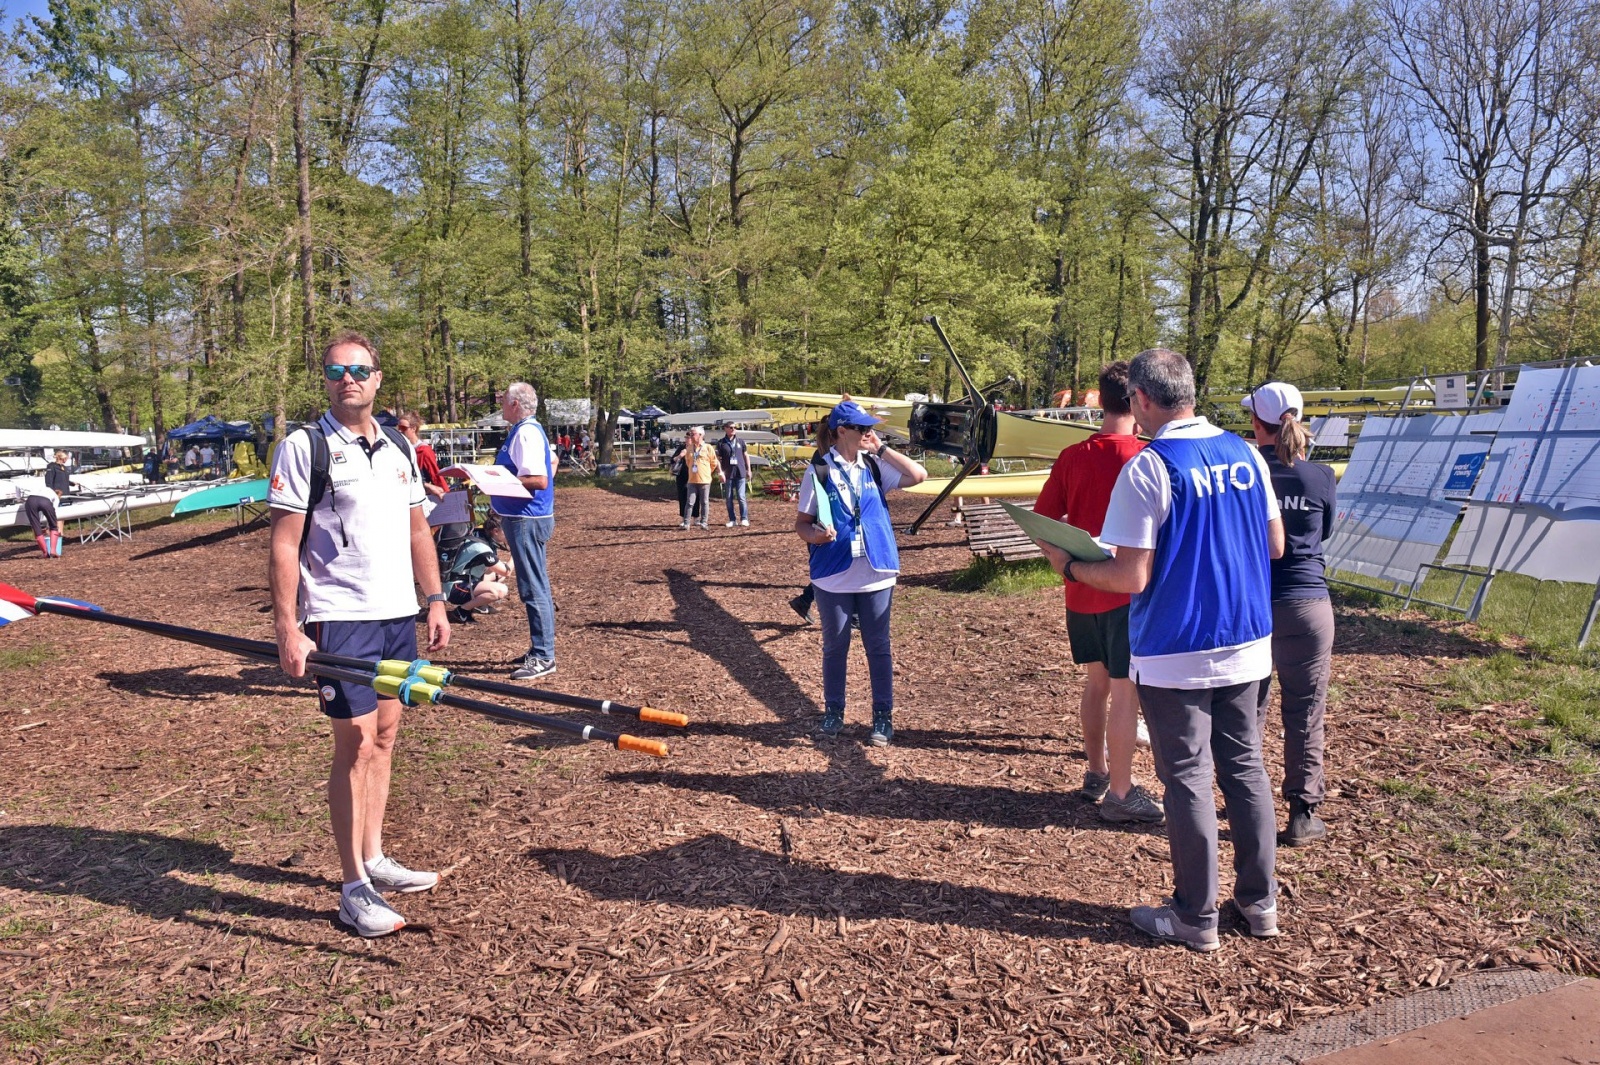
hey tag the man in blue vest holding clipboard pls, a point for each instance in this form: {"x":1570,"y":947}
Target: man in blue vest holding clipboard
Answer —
{"x":528,"y":523}
{"x":1195,"y":525}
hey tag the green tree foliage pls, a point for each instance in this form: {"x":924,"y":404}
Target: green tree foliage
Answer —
{"x":640,"y":201}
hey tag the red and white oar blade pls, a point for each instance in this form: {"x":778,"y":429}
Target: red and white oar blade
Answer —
{"x":15,"y":604}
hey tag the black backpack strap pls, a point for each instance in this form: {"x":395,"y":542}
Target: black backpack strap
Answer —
{"x":877,"y":472}
{"x":398,"y":439}
{"x":318,"y":445}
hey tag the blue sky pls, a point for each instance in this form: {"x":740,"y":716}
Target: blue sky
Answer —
{"x":16,"y":9}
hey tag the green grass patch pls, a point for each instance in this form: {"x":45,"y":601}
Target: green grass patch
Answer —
{"x":23,"y":926}
{"x":22,"y":1026}
{"x":26,"y":657}
{"x":1562,"y":684}
{"x":998,"y":577}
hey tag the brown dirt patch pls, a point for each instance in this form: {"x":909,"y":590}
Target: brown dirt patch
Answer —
{"x":167,"y":879}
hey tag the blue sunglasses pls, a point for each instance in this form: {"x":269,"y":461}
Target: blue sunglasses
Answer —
{"x":334,"y":372}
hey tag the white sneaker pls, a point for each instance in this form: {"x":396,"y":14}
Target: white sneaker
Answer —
{"x":364,"y":910}
{"x":745,"y":523}
{"x":1142,"y":737}
{"x":387,"y":874}
{"x":729,"y":525}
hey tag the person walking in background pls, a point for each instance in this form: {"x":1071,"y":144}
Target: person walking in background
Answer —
{"x":1302,"y":612}
{"x":700,"y":460}
{"x":854,"y":561}
{"x":433,"y":482}
{"x":346,"y":543}
{"x":1078,"y":491}
{"x":733,"y":457}
{"x":680,"y":480}
{"x":1195,"y":526}
{"x":529,"y":523}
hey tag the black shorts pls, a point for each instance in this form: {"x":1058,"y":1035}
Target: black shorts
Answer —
{"x":367,"y":640}
{"x":460,"y":593}
{"x":1101,"y":637}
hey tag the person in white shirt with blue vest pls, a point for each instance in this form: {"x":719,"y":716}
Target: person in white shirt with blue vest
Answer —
{"x":854,"y":561}
{"x":1195,"y":525}
{"x":528,"y":523}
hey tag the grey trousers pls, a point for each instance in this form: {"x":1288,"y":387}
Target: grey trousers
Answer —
{"x":1302,"y":652}
{"x":1198,"y":735}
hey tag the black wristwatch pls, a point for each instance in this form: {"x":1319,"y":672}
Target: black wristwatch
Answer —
{"x":1066,"y":571}
{"x":881,"y":449}
{"x":438,"y":597}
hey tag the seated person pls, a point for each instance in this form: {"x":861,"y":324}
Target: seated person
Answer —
{"x":474,"y":577}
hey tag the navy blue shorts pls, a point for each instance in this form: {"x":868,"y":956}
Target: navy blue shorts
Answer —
{"x":366,"y":640}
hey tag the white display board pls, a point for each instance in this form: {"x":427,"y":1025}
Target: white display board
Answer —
{"x":1330,"y":430}
{"x":1400,"y":495}
{"x":1536,"y":508}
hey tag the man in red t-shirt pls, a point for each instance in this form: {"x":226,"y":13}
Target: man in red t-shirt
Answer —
{"x":1078,"y":491}
{"x":433,"y":482}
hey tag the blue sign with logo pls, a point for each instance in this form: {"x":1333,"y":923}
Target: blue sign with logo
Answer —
{"x":1464,"y":471}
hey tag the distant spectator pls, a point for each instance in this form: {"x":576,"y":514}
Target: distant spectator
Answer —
{"x":433,"y":482}
{"x":680,"y":480}
{"x":191,"y":458}
{"x":700,"y":460}
{"x":733,"y":456}
{"x":208,"y":457}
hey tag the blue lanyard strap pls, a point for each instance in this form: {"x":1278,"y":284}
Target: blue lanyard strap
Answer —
{"x":849,"y":494}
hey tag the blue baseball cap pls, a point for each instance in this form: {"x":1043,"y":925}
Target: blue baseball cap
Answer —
{"x":850,"y":413}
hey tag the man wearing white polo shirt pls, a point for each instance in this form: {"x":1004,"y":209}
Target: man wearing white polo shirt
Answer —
{"x":1195,"y":523}
{"x":341,"y":565}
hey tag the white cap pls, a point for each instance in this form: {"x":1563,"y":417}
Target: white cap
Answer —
{"x":1271,"y":400}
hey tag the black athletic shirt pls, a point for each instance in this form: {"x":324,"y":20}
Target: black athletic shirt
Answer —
{"x":1305,"y":494}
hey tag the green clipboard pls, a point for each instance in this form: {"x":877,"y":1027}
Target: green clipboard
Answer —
{"x":1071,"y":539}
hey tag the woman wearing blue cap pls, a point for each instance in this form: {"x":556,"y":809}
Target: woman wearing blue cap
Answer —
{"x":854,"y":561}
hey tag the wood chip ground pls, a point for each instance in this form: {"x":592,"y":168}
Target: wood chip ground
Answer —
{"x":167,"y":881}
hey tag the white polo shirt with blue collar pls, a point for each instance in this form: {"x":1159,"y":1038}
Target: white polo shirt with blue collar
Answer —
{"x":357,"y":561}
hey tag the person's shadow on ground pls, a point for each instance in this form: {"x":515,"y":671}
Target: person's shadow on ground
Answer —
{"x":714,"y":872}
{"x":134,"y":871}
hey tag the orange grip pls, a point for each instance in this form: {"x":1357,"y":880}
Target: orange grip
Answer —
{"x":663,"y":717}
{"x":634,"y":743}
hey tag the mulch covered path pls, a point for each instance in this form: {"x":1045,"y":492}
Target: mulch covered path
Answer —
{"x":167,"y":879}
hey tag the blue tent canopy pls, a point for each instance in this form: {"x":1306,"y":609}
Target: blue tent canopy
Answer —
{"x":213,"y":429}
{"x":652,"y":411}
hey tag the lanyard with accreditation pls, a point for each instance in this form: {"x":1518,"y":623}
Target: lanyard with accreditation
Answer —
{"x":850,"y":493}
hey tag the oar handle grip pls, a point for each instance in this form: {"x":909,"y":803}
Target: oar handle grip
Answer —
{"x":626,"y":742}
{"x":663,"y":717}
{"x":409,"y":691}
{"x":428,"y":674}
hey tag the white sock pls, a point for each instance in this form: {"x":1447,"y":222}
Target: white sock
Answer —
{"x":352,"y":885}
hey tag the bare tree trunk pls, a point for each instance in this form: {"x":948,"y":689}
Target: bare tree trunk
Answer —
{"x":302,"y":159}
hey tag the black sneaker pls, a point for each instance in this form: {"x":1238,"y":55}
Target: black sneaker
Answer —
{"x":832,"y":721}
{"x":1305,"y":827}
{"x":882,"y":728}
{"x":461,"y":616}
{"x":533,"y":668}
{"x":801,"y":604}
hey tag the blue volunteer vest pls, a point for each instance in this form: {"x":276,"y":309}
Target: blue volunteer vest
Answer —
{"x":873,"y":519}
{"x":543,"y":503}
{"x":1211,"y":583}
